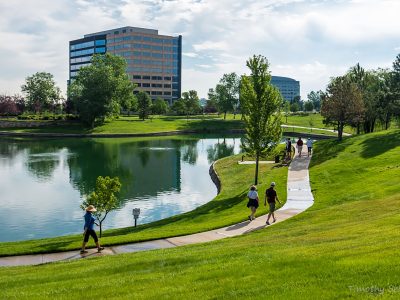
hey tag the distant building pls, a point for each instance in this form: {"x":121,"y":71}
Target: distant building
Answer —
{"x":288,"y":87}
{"x":154,"y":61}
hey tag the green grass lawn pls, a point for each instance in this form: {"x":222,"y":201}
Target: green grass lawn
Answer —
{"x":227,"y":208}
{"x":345,"y":246}
{"x":208,"y":123}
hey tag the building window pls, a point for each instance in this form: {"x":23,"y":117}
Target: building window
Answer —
{"x":167,"y":86}
{"x":145,"y":84}
{"x":167,"y":93}
{"x":82,"y":45}
{"x":137,"y":77}
{"x":82,"y":52}
{"x":101,"y":50}
{"x":116,"y":32}
{"x":100,"y":42}
{"x":167,"y":78}
{"x":146,"y":77}
{"x":156,"y":85}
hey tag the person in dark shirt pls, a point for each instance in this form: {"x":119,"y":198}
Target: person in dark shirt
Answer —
{"x":270,"y":197}
{"x":89,"y":229}
{"x":288,"y":149}
{"x":299,"y":146}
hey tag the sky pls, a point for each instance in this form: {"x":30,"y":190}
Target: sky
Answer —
{"x":310,"y":41}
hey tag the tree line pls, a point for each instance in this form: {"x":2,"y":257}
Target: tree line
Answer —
{"x":363,"y":99}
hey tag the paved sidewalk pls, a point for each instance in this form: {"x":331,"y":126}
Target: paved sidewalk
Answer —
{"x":299,"y":198}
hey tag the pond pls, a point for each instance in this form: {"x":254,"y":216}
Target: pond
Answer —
{"x":43,"y":182}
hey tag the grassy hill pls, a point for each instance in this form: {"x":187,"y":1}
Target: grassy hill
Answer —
{"x":345,"y":246}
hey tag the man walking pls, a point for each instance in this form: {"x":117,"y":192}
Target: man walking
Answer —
{"x":271,"y":196}
{"x":299,"y":145}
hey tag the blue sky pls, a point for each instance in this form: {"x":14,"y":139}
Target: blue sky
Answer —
{"x":310,"y":41}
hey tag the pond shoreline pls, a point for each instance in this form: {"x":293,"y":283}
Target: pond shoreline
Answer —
{"x":150,"y":134}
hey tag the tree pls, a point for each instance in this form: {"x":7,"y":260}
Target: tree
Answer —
{"x":179,"y":107}
{"x":144,"y":104}
{"x":103,"y":198}
{"x":130,"y":104}
{"x":100,"y":89}
{"x":191,"y":101}
{"x":342,"y":103}
{"x":260,"y":106}
{"x":41,"y":91}
{"x":11,"y":105}
{"x":294,"y":107}
{"x":211,"y":106}
{"x":226,"y":94}
{"x":315,"y":98}
{"x":311,"y":121}
{"x":160,"y":107}
{"x":308,"y":106}
{"x":286,"y":108}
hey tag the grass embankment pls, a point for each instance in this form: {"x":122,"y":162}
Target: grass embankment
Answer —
{"x":207,"y":123}
{"x":345,"y":246}
{"x":227,"y":208}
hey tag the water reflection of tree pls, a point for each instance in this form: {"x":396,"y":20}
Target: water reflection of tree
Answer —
{"x":219,"y":150}
{"x":143,"y":152}
{"x":41,"y":157}
{"x":189,"y":151}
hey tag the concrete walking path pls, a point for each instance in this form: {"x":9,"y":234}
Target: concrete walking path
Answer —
{"x":299,"y":198}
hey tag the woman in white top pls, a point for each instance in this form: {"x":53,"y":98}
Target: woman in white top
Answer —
{"x":253,"y":201}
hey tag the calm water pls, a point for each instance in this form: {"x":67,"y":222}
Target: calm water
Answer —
{"x":43,"y":182}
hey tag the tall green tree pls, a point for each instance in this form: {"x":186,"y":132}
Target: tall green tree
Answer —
{"x":226,"y":94}
{"x":179,"y":107}
{"x":261,"y":103}
{"x":315,"y":98}
{"x":160,"y":106}
{"x":103,"y":198}
{"x":144,"y":104}
{"x":342,"y":103}
{"x":308,"y":106}
{"x":192,"y":102}
{"x":100,"y":89}
{"x":41,"y":91}
{"x":286,"y":108}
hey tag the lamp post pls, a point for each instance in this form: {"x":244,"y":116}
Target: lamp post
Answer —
{"x":136,"y":213}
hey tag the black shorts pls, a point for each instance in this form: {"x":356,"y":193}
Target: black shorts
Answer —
{"x":91,"y":233}
{"x":252,"y":203}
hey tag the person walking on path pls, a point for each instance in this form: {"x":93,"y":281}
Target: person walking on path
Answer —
{"x":253,"y":202}
{"x":271,"y":196}
{"x":288,"y":149}
{"x":309,"y":146}
{"x":299,"y":145}
{"x":89,"y":229}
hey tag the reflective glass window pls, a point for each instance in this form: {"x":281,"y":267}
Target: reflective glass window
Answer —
{"x":100,"y":42}
{"x":101,"y":50}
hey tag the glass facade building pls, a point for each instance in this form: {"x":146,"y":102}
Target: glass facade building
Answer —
{"x":288,"y":87}
{"x":154,"y":62}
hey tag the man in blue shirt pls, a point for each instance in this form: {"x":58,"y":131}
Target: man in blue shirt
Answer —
{"x":89,"y":229}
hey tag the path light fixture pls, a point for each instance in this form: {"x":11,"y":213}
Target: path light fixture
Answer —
{"x":136,"y":213}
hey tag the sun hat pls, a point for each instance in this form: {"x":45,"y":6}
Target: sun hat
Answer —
{"x":272,"y":183}
{"x":91,"y":208}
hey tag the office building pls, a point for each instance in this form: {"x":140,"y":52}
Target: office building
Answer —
{"x":154,"y":62}
{"x":288,"y":87}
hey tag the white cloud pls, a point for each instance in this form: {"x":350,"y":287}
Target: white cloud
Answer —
{"x":307,"y":40}
{"x":190,"y":54}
